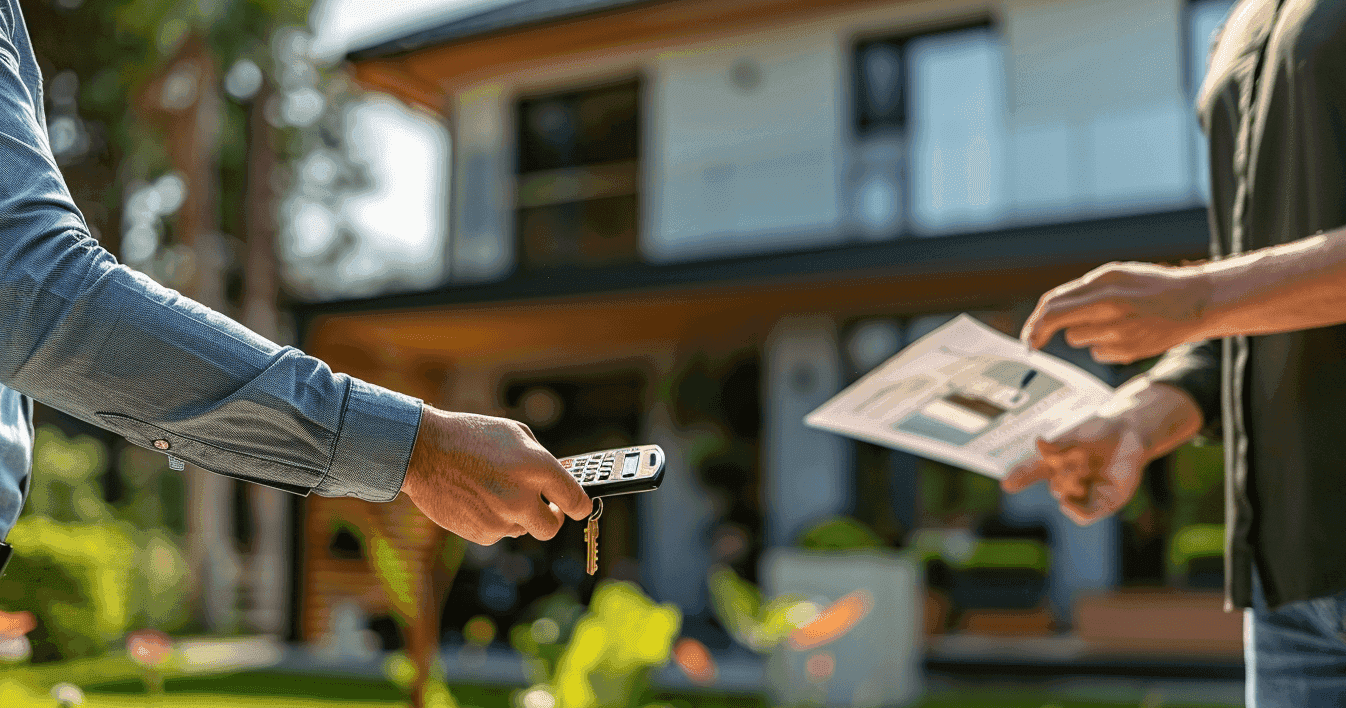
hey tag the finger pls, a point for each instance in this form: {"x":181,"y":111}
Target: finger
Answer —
{"x":1055,"y":313}
{"x":1115,"y":354}
{"x":483,"y":538}
{"x":562,"y":490}
{"x":1048,"y":447}
{"x":1088,"y":335}
{"x":1050,"y":451}
{"x":1093,"y":507}
{"x":1069,"y":485}
{"x":1072,"y":473}
{"x":1025,"y":475}
{"x":542,"y":520}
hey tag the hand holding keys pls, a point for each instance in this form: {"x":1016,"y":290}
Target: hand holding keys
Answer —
{"x":610,"y":472}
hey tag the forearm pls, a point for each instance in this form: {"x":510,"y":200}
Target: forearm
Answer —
{"x":102,"y":343}
{"x":1163,"y":414}
{"x":1298,"y":285}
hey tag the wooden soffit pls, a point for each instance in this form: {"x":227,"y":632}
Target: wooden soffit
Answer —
{"x":592,"y":328}
{"x":426,"y":76}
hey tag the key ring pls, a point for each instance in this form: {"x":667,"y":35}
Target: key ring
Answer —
{"x":598,"y":509}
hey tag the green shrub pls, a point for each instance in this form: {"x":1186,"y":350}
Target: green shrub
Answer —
{"x":77,"y":579}
{"x":839,"y":533}
{"x":605,"y":660}
{"x":87,"y":573}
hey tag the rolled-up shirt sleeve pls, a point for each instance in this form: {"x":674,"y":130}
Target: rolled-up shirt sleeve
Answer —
{"x":90,"y":337}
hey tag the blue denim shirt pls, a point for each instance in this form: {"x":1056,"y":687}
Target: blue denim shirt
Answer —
{"x":90,"y":337}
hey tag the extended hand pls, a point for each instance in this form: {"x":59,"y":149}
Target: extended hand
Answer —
{"x":485,"y":478}
{"x":1093,"y":469}
{"x":1124,"y":311}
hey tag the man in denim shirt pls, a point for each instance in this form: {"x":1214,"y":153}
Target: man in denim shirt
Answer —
{"x":105,"y":344}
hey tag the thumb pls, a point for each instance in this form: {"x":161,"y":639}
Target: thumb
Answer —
{"x":1047,"y":449}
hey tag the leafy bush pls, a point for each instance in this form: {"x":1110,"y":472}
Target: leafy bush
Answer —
{"x":88,"y":575}
{"x":752,"y":620}
{"x":839,"y":533}
{"x":76,"y":579}
{"x":610,"y":652}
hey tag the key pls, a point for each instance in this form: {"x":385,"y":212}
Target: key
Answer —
{"x":591,"y":539}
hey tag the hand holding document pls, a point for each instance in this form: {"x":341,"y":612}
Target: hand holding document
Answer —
{"x":967,"y":395}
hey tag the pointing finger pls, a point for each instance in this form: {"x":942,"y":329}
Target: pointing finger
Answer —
{"x":1113,"y":354}
{"x":1091,"y":334}
{"x":1055,"y":313}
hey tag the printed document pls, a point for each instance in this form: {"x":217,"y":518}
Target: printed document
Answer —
{"x":967,"y":395}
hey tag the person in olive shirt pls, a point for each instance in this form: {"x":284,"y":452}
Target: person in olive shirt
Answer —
{"x":1253,"y":348}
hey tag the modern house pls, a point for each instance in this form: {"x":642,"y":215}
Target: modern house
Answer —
{"x":690,"y":222}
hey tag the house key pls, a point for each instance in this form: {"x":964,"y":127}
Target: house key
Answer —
{"x":591,"y":539}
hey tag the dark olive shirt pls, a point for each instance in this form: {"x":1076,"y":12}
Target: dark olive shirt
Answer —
{"x":1274,"y":107}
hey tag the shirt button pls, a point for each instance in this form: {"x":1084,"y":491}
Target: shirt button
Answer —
{"x":161,"y":444}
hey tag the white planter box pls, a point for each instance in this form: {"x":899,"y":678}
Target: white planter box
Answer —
{"x":879,"y":662}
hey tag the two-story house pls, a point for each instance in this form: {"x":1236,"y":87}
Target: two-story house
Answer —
{"x":689,"y":222}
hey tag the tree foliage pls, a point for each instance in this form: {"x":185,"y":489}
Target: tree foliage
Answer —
{"x":98,"y":56}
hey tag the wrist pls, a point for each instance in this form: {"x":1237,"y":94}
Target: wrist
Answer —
{"x":1221,"y":287}
{"x":1163,"y":415}
{"x":420,"y":451}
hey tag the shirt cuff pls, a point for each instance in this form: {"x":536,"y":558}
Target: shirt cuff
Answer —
{"x":378,"y":431}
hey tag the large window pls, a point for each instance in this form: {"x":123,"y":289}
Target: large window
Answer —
{"x":578,"y":197}
{"x":929,"y":121}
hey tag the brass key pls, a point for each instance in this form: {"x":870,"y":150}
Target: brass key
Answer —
{"x":591,"y":539}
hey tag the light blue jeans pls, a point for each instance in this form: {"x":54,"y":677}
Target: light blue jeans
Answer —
{"x":1296,"y":655}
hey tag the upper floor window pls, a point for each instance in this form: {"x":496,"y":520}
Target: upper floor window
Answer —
{"x":929,"y":121}
{"x":578,"y":177}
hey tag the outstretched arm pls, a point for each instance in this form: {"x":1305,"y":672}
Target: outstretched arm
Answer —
{"x":99,"y":341}
{"x":1128,"y":311}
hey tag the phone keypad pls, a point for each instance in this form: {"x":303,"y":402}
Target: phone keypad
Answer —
{"x":616,"y":471}
{"x":593,"y":468}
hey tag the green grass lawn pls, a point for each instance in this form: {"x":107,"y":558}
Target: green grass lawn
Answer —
{"x":119,"y":687}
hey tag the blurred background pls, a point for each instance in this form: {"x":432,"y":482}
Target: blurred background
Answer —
{"x":682,"y":222}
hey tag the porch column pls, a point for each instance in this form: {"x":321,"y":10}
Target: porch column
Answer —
{"x":675,"y":521}
{"x":806,"y":472}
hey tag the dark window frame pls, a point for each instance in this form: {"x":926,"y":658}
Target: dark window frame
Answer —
{"x":898,"y":39}
{"x":593,"y":194}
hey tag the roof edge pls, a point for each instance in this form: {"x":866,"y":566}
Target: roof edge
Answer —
{"x":480,"y":25}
